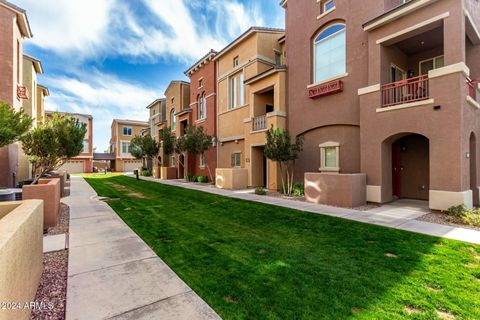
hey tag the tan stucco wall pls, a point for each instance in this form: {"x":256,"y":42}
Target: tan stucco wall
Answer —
{"x":48,"y":190}
{"x":21,"y":254}
{"x":231,"y":178}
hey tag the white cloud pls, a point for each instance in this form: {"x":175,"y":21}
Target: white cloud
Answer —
{"x":93,"y":29}
{"x":103,"y":96}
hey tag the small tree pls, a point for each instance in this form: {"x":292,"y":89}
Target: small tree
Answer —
{"x":279,"y":148}
{"x":51,"y":143}
{"x":12,"y":124}
{"x":145,"y":148}
{"x":195,"y":142}
{"x":167,"y":142}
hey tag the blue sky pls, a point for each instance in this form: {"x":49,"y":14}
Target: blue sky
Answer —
{"x":111,"y":58}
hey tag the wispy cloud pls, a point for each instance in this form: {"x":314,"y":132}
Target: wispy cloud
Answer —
{"x":102,"y":95}
{"x":180,"y":29}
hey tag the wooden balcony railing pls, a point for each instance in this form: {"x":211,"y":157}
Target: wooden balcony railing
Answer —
{"x":405,"y":91}
{"x":259,"y":123}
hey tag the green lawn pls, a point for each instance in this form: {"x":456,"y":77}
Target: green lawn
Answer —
{"x":254,"y":261}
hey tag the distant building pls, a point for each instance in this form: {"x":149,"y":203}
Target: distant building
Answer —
{"x":122,"y":132}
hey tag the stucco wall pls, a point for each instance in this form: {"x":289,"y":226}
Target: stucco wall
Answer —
{"x":21,"y":254}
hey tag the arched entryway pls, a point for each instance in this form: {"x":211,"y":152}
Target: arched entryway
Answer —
{"x":410,"y":167}
{"x":473,"y":168}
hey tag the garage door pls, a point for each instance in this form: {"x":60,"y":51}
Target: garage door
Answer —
{"x":74,"y":166}
{"x":129,"y":166}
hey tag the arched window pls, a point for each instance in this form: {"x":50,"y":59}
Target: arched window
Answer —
{"x":173,"y":120}
{"x":200,"y":107}
{"x":204,"y":98}
{"x":329,"y":48}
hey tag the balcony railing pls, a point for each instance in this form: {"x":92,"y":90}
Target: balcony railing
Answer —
{"x":260,"y":123}
{"x":405,"y":91}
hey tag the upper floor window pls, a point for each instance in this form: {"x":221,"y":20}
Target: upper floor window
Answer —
{"x":329,"y":48}
{"x":173,"y":120}
{"x":200,"y":83}
{"x":85,"y":146}
{"x":125,"y":147}
{"x":202,"y":107}
{"x":430,"y":64}
{"x":236,"y":62}
{"x":327,"y":5}
{"x":172,"y":100}
{"x":236,"y":91}
{"x":278,"y":58}
{"x":127,"y":131}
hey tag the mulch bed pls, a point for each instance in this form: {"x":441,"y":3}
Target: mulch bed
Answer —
{"x":441,"y":218}
{"x":52,"y":290}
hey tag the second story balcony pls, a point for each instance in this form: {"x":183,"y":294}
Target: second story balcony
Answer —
{"x":405,"y":91}
{"x":259,"y":123}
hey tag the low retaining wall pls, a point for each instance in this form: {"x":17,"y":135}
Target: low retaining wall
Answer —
{"x":168,"y":173}
{"x":21,"y":254}
{"x":62,"y":175}
{"x":231,"y":178}
{"x":49,"y":191}
{"x":342,"y":190}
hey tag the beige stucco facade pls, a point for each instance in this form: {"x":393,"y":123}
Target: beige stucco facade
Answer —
{"x":21,"y":254}
{"x":251,"y":87}
{"x":31,"y":67}
{"x":122,"y":132}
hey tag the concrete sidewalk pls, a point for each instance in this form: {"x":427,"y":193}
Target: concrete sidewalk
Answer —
{"x":113,"y":274}
{"x":396,"y":216}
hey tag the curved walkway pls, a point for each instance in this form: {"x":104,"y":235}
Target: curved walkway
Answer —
{"x":390,"y":215}
{"x":113,"y":274}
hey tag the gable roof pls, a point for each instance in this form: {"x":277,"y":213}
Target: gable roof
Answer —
{"x":22,"y":18}
{"x":176,"y":82}
{"x":37,"y":64}
{"x":246,"y":34}
{"x":201,"y":62}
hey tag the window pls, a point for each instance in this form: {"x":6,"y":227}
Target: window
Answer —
{"x":200,"y":83}
{"x":430,"y":64}
{"x":172,"y":100}
{"x":236,"y":62}
{"x":173,"y":161}
{"x":18,"y":61}
{"x":236,"y":91}
{"x":236,"y":159}
{"x":127,"y":131}
{"x":202,"y":107}
{"x":202,"y":161}
{"x":329,"y":156}
{"x":173,"y":120}
{"x":85,"y":146}
{"x":330,"y":53}
{"x":125,"y":147}
{"x":278,"y":58}
{"x":328,"y":5}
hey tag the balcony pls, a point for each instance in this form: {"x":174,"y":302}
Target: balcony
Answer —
{"x":259,"y":123}
{"x":472,"y":91}
{"x":405,"y":91}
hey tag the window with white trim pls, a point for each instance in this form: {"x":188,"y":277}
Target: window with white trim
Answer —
{"x":329,"y":48}
{"x":125,"y":147}
{"x":202,"y":107}
{"x":329,"y":156}
{"x":127,"y":131}
{"x":173,"y":120}
{"x":236,"y":160}
{"x":327,"y":5}
{"x":200,"y":83}
{"x":236,"y":91}
{"x":202,"y":161}
{"x":430,"y":64}
{"x":85,"y":146}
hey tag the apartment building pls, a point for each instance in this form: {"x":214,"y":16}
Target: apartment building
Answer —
{"x":83,"y":163}
{"x":14,"y":27}
{"x":157,"y":116}
{"x":31,"y":67}
{"x":177,"y":118}
{"x":204,"y":114}
{"x":251,"y":82}
{"x":122,"y":132}
{"x":382,"y":91}
{"x":42,"y":93}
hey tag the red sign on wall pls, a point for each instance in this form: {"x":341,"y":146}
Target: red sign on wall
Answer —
{"x":325,"y":89}
{"x":22,"y":92}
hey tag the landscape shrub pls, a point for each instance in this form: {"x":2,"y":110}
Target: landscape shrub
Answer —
{"x":260,"y":191}
{"x":202,"y":179}
{"x":189,"y":177}
{"x":146,"y":173}
{"x":298,"y":190}
{"x":469,"y":217}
